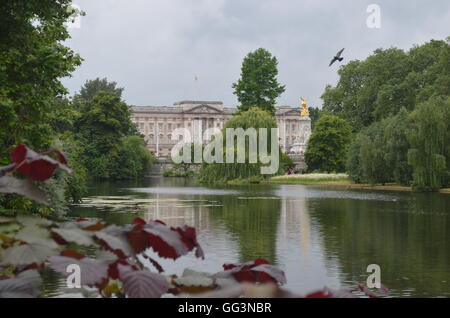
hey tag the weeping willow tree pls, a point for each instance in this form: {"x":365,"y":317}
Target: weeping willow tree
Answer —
{"x":429,"y":144}
{"x":249,"y":170}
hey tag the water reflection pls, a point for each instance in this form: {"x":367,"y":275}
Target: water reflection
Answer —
{"x":320,"y":237}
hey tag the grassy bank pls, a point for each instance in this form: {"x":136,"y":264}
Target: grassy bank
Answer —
{"x":312,"y":178}
{"x":338,"y":180}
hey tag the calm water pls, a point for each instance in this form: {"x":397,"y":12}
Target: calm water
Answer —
{"x":318,"y":236}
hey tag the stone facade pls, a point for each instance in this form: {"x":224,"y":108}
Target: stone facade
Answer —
{"x":157,"y":123}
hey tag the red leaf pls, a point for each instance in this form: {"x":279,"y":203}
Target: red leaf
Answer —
{"x":138,"y":239}
{"x":95,"y":227}
{"x":367,"y":291}
{"x":61,"y":157}
{"x":113,"y":271}
{"x":138,"y":221}
{"x":114,"y":239}
{"x":319,"y":294}
{"x":229,"y":266}
{"x":163,"y":249}
{"x":19,"y":153}
{"x":163,"y":240}
{"x":73,"y":254}
{"x":189,"y":238}
{"x":34,"y":165}
{"x":261,"y":261}
{"x":158,"y":267}
{"x":259,"y":271}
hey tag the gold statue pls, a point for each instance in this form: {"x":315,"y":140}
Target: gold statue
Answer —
{"x":305,"y":111}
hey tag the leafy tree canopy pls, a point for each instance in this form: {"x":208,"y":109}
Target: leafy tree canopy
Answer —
{"x":388,"y":80}
{"x":92,"y":87}
{"x":327,"y":146}
{"x":113,"y":148}
{"x":224,"y":172}
{"x":258,"y":85}
{"x":32,"y":61}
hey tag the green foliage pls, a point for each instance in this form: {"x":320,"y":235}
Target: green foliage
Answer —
{"x":103,"y":121}
{"x":378,"y":87}
{"x":92,"y":87}
{"x":286,"y":163}
{"x":258,"y":85}
{"x":429,"y":144}
{"x":133,"y":159}
{"x":409,"y":148}
{"x":396,"y":131}
{"x":314,"y":114}
{"x":378,"y":154}
{"x":33,"y":59}
{"x":112,"y":147}
{"x":353,"y":165}
{"x":395,"y":102}
{"x":225,"y":172}
{"x":327,"y":146}
{"x":372,"y":156}
{"x":75,"y":187}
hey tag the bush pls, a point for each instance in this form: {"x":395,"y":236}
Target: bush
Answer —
{"x":224,"y":172}
{"x":327,"y":147}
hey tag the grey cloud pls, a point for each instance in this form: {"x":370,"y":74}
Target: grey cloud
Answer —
{"x":154,"y":48}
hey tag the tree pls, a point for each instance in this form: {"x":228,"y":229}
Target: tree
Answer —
{"x":373,"y":161}
{"x":92,"y":87}
{"x":378,"y":87}
{"x":328,"y":144}
{"x":258,"y":85}
{"x":314,"y":113}
{"x":428,"y":142}
{"x":225,"y":172}
{"x":396,"y":131}
{"x":133,"y":159}
{"x":103,"y":121}
{"x":33,"y":59}
{"x":353,"y":165}
{"x":32,"y":62}
{"x":112,"y":148}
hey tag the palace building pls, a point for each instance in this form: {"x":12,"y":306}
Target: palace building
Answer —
{"x":157,"y":124}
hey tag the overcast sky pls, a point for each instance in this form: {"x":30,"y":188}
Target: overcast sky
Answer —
{"x":155,"y":48}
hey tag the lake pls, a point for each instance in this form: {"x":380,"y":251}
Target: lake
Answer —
{"x":319,"y":236}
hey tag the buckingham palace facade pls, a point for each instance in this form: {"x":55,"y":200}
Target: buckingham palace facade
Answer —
{"x":157,"y":123}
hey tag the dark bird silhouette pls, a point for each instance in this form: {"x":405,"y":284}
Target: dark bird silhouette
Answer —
{"x":337,"y":57}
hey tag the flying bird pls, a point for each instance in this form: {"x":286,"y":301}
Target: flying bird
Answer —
{"x":337,"y":57}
